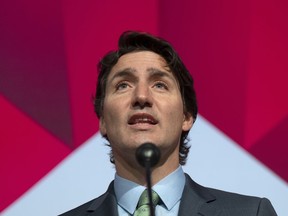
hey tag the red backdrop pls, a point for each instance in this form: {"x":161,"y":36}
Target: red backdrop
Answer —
{"x":237,"y":52}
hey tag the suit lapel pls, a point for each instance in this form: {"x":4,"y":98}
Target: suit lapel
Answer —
{"x":104,"y":205}
{"x":196,"y":200}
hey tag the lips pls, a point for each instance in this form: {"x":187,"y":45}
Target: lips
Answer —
{"x":142,"y":118}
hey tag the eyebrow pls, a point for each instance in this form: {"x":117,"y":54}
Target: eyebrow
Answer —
{"x":154,"y":72}
{"x":126,"y":72}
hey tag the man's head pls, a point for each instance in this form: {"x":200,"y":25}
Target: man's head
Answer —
{"x":131,"y":43}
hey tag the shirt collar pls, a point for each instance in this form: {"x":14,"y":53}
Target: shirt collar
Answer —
{"x":169,"y":189}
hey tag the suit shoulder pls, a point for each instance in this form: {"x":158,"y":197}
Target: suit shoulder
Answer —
{"x":220,"y":195}
{"x":226,"y":196}
{"x":230,"y":203}
{"x":84,"y":207}
{"x":91,"y":205}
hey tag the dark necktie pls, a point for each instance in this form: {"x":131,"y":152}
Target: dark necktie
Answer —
{"x":143,"y":208}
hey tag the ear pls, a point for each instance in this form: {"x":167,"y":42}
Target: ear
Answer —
{"x":102,"y":127}
{"x":187,"y":121}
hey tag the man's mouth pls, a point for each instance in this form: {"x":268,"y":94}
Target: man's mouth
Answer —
{"x":142,"y":118}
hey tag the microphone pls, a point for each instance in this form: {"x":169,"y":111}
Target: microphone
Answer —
{"x":148,"y":155}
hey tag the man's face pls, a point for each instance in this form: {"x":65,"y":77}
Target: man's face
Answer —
{"x":142,"y":104}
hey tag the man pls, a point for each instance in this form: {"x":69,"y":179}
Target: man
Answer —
{"x":146,"y":94}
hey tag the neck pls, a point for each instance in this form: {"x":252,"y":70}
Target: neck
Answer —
{"x":132,"y":171}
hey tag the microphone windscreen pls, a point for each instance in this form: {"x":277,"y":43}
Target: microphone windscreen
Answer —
{"x":148,"y":154}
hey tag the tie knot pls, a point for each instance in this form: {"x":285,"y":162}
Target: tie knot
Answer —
{"x":144,"y":198}
{"x":143,"y":204}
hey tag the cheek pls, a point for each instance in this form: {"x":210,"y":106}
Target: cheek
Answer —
{"x":112,"y":112}
{"x":175,"y":112}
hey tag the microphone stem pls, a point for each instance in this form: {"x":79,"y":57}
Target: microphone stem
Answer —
{"x":149,"y":188}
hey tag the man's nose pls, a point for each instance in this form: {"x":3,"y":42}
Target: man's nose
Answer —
{"x":142,"y":97}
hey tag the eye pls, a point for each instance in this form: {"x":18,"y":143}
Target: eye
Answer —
{"x":160,"y":85}
{"x":121,"y":86}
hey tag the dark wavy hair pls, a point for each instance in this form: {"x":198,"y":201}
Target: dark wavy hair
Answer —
{"x":131,"y":41}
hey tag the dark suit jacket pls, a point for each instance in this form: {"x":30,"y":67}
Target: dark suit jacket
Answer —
{"x":196,"y":200}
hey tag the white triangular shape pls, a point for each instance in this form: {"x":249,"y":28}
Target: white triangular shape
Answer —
{"x":214,"y":161}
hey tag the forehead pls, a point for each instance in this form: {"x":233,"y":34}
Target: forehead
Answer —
{"x":140,"y":60}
